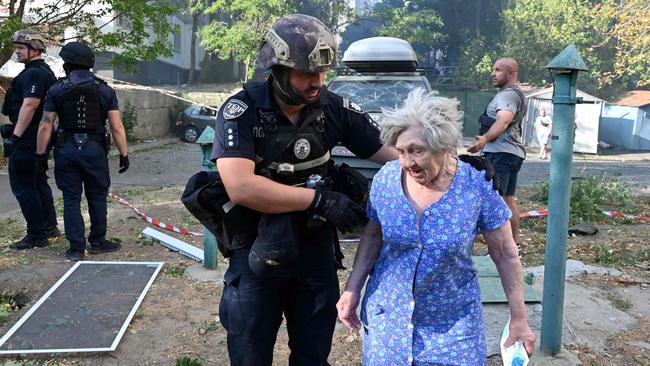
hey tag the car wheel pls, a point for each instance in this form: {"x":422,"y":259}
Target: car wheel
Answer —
{"x":190,"y":134}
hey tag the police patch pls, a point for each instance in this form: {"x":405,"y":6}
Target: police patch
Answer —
{"x":351,"y":106}
{"x":301,"y":149}
{"x":234,"y":109}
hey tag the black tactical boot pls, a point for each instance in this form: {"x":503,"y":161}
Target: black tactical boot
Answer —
{"x":74,"y":255}
{"x":103,"y":246}
{"x":53,"y":232}
{"x":29,"y":243}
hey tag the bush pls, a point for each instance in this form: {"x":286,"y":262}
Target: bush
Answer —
{"x":186,"y":361}
{"x":129,"y":120}
{"x":590,"y":196}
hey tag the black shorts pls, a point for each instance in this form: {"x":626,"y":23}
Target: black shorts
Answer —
{"x":506,"y":166}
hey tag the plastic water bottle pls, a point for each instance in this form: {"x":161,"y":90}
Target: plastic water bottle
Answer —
{"x":514,"y":355}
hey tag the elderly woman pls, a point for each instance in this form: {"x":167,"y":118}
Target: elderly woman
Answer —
{"x":422,"y":303}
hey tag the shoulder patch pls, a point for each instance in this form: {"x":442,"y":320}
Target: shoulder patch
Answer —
{"x":351,"y":106}
{"x":234,"y":109}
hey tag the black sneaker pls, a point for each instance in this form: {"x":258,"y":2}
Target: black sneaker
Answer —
{"x":74,"y":255}
{"x":103,"y":246}
{"x":29,"y":243}
{"x":53,"y":233}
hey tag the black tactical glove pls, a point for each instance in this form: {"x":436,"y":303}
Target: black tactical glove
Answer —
{"x":41,"y":163}
{"x":124,"y":163}
{"x":9,"y":144}
{"x":481,"y":163}
{"x":338,"y":209}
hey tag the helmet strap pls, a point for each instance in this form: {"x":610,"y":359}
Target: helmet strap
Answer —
{"x":282,"y":88}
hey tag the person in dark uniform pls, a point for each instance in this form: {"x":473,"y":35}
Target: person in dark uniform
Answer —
{"x":292,"y":102}
{"x":23,"y":105}
{"x":272,"y":142}
{"x":82,"y":103}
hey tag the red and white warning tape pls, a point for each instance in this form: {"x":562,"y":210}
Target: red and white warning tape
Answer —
{"x":608,"y":213}
{"x":183,"y":231}
{"x":627,"y":216}
{"x":153,"y":221}
{"x":534,"y":213}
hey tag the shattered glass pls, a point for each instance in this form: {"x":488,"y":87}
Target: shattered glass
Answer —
{"x":372,"y":95}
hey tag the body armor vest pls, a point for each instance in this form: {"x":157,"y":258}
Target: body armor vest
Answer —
{"x":307,"y":154}
{"x":13,"y":101}
{"x":80,"y":108}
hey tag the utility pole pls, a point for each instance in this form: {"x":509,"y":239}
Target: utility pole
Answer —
{"x":564,"y":70}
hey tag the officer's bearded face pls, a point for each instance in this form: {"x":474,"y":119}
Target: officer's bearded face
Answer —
{"x":306,"y":84}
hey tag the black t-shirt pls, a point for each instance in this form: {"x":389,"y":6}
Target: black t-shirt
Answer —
{"x":345,"y":122}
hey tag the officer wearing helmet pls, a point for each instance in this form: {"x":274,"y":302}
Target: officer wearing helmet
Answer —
{"x":292,"y":109}
{"x":82,"y":103}
{"x":23,"y":105}
{"x":271,"y":146}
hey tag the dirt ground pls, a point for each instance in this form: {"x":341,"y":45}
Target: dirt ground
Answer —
{"x":179,"y":318}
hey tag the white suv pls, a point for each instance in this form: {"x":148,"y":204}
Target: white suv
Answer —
{"x":379,"y":72}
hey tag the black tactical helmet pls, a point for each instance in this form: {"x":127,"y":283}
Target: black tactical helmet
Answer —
{"x":33,"y":39}
{"x":77,"y":53}
{"x":300,"y":42}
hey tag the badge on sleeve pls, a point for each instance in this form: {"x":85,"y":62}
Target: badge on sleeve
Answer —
{"x":230,"y":136}
{"x":234,"y":109}
{"x":351,"y":106}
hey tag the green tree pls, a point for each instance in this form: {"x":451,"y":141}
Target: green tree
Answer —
{"x":475,"y":64}
{"x":334,"y":13}
{"x":629,"y":35}
{"x":239,"y":29}
{"x":537,"y":30}
{"x":145,"y":37}
{"x":420,"y":27}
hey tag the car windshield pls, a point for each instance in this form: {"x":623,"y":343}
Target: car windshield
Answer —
{"x":371,"y":95}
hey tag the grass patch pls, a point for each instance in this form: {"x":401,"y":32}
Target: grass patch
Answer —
{"x":144,"y":241}
{"x":175,"y":271}
{"x":590,"y":196}
{"x":186,"y":361}
{"x":606,"y":256}
{"x":210,"y":327}
{"x":618,"y":302}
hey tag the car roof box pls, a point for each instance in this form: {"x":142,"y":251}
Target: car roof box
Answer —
{"x":381,"y":54}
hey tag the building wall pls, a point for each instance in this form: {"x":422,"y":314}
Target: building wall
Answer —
{"x":627,"y":127}
{"x":153,"y":109}
{"x":587,"y":117}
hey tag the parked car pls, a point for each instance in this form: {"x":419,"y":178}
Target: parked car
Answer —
{"x":379,"y":72}
{"x":194,"y":119}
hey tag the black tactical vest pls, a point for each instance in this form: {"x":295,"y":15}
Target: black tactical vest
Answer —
{"x":307,"y":152}
{"x":14,"y":101}
{"x":80,"y":108}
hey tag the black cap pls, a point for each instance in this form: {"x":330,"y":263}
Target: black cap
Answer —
{"x":77,"y":53}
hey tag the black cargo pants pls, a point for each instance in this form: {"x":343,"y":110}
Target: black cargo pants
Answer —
{"x":252,"y":306}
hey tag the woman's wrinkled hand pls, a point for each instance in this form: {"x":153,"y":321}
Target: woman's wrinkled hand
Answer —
{"x":520,"y":331}
{"x":347,"y":308}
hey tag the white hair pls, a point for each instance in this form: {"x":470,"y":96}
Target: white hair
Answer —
{"x":439,"y":117}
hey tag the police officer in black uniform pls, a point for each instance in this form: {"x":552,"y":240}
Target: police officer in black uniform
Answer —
{"x":271,"y":146}
{"x":82,"y":103}
{"x":24,"y":105}
{"x":292,"y":106}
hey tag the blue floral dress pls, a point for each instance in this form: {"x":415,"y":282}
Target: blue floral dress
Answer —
{"x":422,"y":303}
